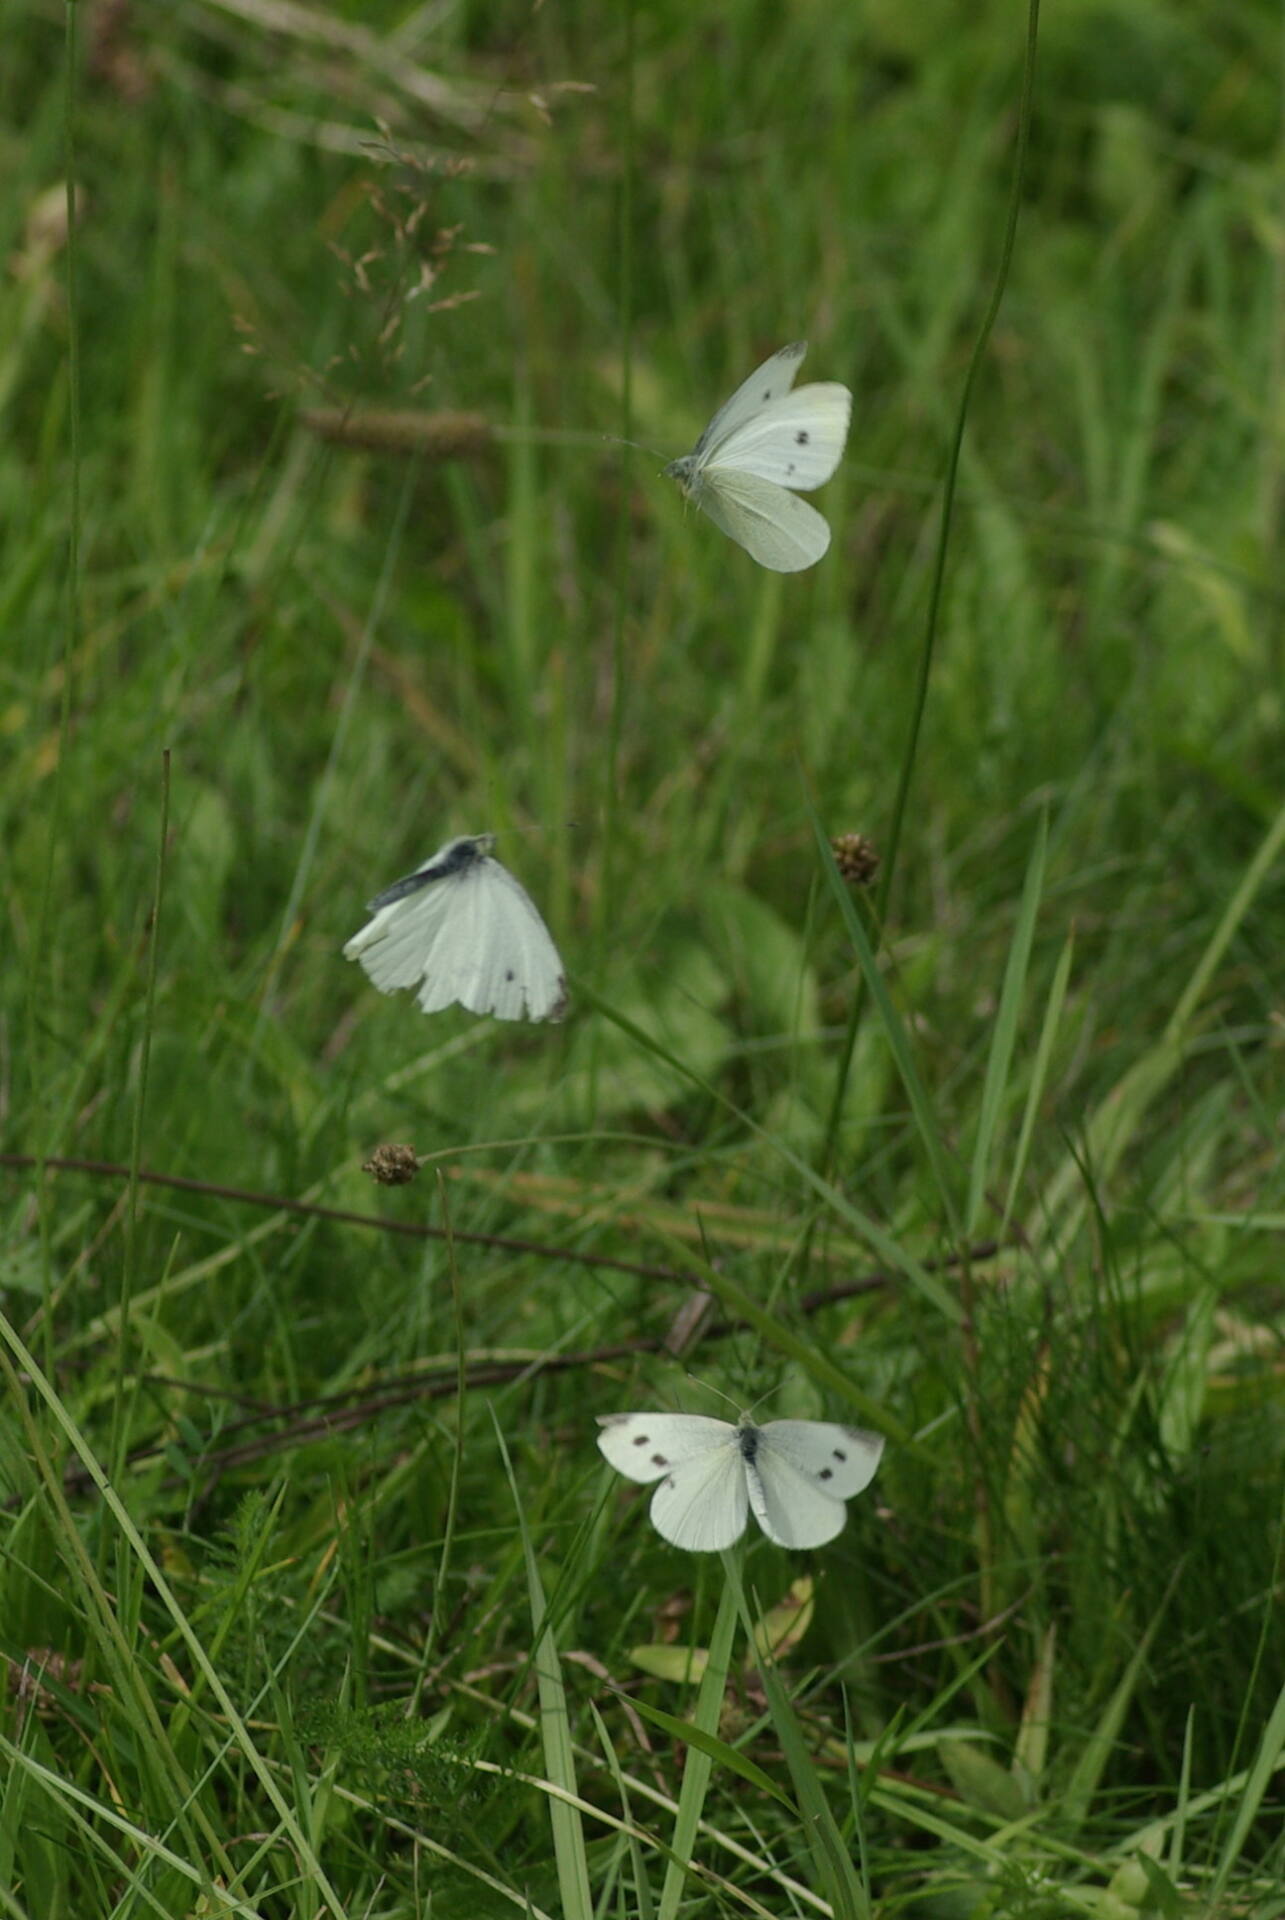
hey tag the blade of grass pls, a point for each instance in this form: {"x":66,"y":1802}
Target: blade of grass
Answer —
{"x":831,"y":1861}
{"x":299,"y":1841}
{"x":698,"y":1764}
{"x":642,"y":1885}
{"x":1004,"y":1038}
{"x":1039,"y":1073}
{"x":1266,"y":1762}
{"x":1116,"y":1121}
{"x":694,"y":1736}
{"x":1086,"y":1775}
{"x":144,"y":1846}
{"x":555,"y":1727}
{"x":121,"y":1400}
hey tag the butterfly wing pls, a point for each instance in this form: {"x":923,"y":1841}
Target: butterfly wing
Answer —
{"x":399,"y":942}
{"x":496,"y":955}
{"x":645,"y":1446}
{"x":451,"y":859}
{"x":775,"y":527}
{"x":702,"y":1502}
{"x":463,"y":930}
{"x":766,"y":384}
{"x":796,"y":441}
{"x":801,"y":1474}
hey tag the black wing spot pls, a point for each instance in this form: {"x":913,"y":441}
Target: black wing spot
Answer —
{"x":826,"y":1473}
{"x":642,"y":1439}
{"x":802,"y":437}
{"x":791,"y":468}
{"x":509,"y":974}
{"x":659,"y":1460}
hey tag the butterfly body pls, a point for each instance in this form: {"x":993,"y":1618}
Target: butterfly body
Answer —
{"x":463,"y":931}
{"x":793,"y":1475}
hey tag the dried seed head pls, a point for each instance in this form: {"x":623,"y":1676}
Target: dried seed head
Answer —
{"x":392,"y":1165}
{"x":856,"y":858}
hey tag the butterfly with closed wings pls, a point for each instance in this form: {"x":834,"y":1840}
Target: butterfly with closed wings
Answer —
{"x":769,"y":438}
{"x":464,"y":931}
{"x":793,"y":1475}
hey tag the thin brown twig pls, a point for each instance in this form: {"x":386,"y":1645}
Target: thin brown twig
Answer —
{"x":339,"y":1413}
{"x":505,"y":1243}
{"x":413,"y":1229}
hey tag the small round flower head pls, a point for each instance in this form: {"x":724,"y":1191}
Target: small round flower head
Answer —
{"x":392,"y":1165}
{"x":856,"y":858}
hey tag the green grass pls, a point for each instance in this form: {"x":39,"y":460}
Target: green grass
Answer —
{"x":315,"y":1594}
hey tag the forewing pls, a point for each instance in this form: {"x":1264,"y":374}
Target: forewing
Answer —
{"x":797,"y":441}
{"x":801,"y":1475}
{"x":449,"y":860}
{"x":766,"y":384}
{"x":774,"y":526}
{"x":398,"y":943}
{"x":842,"y":1460}
{"x":644,"y":1446}
{"x":703,"y":1503}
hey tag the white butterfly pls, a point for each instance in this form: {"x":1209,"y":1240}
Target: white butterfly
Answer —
{"x":760,"y":443}
{"x":794,"y":1474}
{"x":462,"y":929}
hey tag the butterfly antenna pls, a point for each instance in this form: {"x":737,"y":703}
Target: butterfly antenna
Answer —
{"x":705,"y":1387}
{"x":762,"y":1397}
{"x":639,"y":446}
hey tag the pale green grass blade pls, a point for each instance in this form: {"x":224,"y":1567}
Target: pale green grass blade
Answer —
{"x":1270,"y":1757}
{"x":1252,"y":882}
{"x":1119,"y":1119}
{"x":713,"y":1837}
{"x":1178,"y":1836}
{"x":1184,"y":1384}
{"x":709,"y":1744}
{"x":147,"y":1565}
{"x":832,"y":1863}
{"x":1039,"y":1074}
{"x":555,"y":1730}
{"x":1266,"y":1764}
{"x":142,"y":1844}
{"x":1004,"y":1037}
{"x":1086,"y":1775}
{"x":698,"y":1764}
{"x":322,"y":800}
{"x":1031,"y":1748}
{"x":642,"y":1884}
{"x":121,"y":1400}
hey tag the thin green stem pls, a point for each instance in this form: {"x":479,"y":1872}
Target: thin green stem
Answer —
{"x":120,"y":1424}
{"x":892,"y":844}
{"x":625,"y":304}
{"x":39,"y":992}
